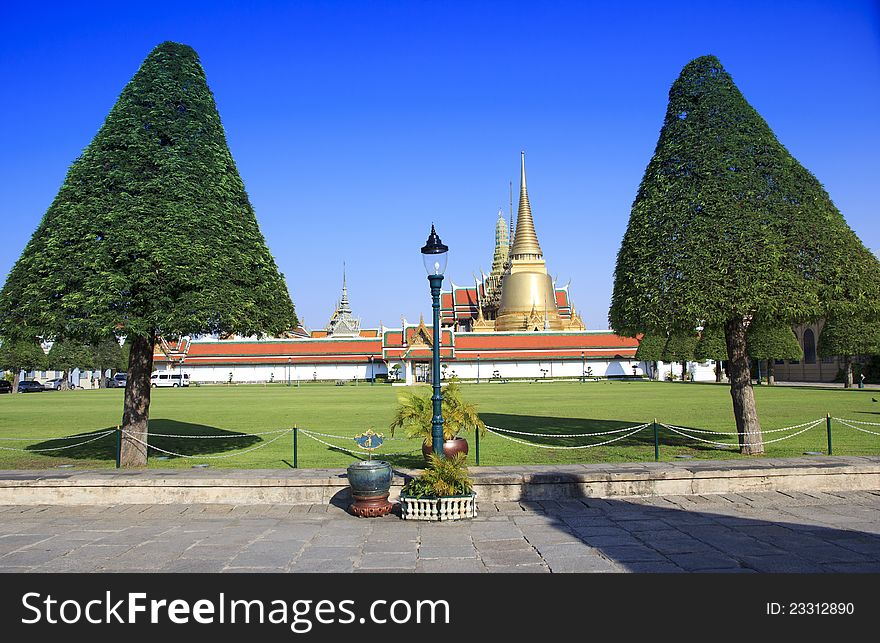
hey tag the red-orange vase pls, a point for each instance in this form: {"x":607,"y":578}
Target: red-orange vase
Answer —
{"x":450,"y":448}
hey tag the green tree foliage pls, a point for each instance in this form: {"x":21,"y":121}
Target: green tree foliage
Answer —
{"x":108,"y":356}
{"x":849,"y":337}
{"x":680,"y":347}
{"x":156,"y":231}
{"x":711,"y":345}
{"x":125,"y":350}
{"x":21,"y":354}
{"x":650,"y":350}
{"x":727,"y":225}
{"x":771,"y":342}
{"x":67,"y":355}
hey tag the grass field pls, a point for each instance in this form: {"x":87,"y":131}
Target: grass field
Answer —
{"x":551,"y":408}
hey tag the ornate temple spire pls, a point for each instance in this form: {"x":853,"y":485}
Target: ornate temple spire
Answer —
{"x":342,"y":323}
{"x":344,"y":306}
{"x":525,"y":243}
{"x":502,"y":245}
{"x":510,"y":194}
{"x":528,"y":301}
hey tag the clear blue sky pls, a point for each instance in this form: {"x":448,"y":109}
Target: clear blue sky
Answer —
{"x":356,"y":124}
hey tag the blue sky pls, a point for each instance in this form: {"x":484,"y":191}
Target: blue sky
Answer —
{"x":355,"y":125}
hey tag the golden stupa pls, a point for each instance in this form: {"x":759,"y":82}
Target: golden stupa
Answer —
{"x":528,"y":298}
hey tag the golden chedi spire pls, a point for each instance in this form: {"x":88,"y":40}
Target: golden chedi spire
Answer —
{"x":525,"y":241}
{"x":528,"y":299}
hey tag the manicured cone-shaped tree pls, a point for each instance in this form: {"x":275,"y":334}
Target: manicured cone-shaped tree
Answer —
{"x":650,"y":351}
{"x":771,"y":342}
{"x":711,"y":345}
{"x":727,"y":225}
{"x":67,"y":355}
{"x":23,"y":354}
{"x":157,"y":235}
{"x":680,"y":348}
{"x":848,"y":337}
{"x":107,"y":357}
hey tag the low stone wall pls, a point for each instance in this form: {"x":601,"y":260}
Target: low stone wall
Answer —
{"x":492,"y":484}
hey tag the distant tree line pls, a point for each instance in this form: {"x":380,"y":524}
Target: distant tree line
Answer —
{"x":17,"y":355}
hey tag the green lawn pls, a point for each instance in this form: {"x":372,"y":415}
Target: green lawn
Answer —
{"x":552,"y":408}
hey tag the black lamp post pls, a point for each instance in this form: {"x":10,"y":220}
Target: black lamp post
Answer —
{"x":372,"y":372}
{"x":583,"y":368}
{"x":289,"y":359}
{"x":478,"y":368}
{"x":434,"y":258}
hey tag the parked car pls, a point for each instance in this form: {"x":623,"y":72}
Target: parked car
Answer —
{"x":29,"y":386}
{"x":120,"y":380}
{"x":54,"y":385}
{"x":5,"y":386}
{"x":169,"y":379}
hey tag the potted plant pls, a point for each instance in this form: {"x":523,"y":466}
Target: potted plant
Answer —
{"x":415,"y":411}
{"x":370,"y":480}
{"x":443,"y":491}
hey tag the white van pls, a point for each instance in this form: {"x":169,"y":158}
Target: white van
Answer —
{"x":169,"y":379}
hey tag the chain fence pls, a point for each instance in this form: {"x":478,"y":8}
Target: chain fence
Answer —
{"x":714,"y":438}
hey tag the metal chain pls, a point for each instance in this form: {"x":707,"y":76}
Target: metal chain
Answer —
{"x":233,"y":435}
{"x":67,"y":437}
{"x":344,"y":437}
{"x":572,"y":435}
{"x":858,"y":422}
{"x":788,"y":428}
{"x":583,"y":446}
{"x":206,"y":457}
{"x":69,"y":446}
{"x":727,"y":444}
{"x":333,"y":446}
{"x":846,"y":423}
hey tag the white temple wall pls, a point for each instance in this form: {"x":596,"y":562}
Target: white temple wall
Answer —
{"x":697,"y":371}
{"x":250,"y":374}
{"x":542,"y":369}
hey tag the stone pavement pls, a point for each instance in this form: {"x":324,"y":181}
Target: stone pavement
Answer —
{"x":754,"y":532}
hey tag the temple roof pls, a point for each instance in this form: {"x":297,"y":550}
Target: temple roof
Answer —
{"x":390,"y":346}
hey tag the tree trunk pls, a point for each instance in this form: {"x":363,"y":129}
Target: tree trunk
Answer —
{"x":718,"y":371}
{"x":65,"y":383}
{"x":847,"y":372}
{"x":744,"y":411}
{"x":655,"y":373}
{"x":136,"y":413}
{"x":17,"y":380}
{"x":684,"y":371}
{"x":771,"y":372}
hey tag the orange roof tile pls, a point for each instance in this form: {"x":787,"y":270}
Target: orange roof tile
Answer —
{"x":292,"y":348}
{"x":580,"y":341}
{"x":466,"y":296}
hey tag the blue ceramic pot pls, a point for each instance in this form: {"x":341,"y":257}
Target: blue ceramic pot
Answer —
{"x":369,"y":478}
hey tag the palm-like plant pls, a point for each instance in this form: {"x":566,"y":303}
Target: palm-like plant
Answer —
{"x":443,"y":477}
{"x":415,"y":411}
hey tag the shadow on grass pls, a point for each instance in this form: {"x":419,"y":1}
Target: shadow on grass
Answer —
{"x":218,"y":441}
{"x":563,"y":427}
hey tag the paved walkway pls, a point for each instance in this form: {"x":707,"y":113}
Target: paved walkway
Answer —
{"x":755,"y":532}
{"x":874,"y":387}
